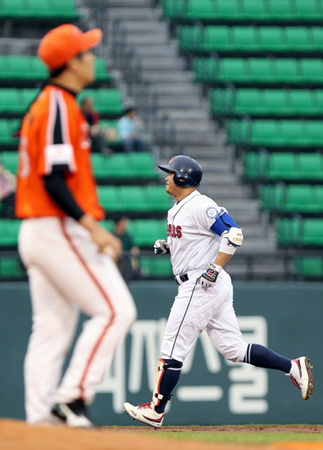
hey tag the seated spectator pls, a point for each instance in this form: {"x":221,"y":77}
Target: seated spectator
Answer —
{"x":128,"y":262}
{"x":131,"y":130}
{"x":93,"y":119}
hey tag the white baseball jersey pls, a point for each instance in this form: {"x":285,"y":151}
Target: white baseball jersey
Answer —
{"x":193,"y":245}
{"x":191,"y":242}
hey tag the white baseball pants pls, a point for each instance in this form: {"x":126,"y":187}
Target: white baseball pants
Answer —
{"x":67,"y":274}
{"x":196,"y":309}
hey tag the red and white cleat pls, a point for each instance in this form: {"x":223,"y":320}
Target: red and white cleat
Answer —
{"x":302,"y":376}
{"x":145,"y":413}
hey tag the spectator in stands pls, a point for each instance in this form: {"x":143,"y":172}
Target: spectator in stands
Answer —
{"x":131,"y":130}
{"x":129,"y":261}
{"x":93,"y":119}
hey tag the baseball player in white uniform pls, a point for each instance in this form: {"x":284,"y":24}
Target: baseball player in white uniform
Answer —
{"x":201,"y":239}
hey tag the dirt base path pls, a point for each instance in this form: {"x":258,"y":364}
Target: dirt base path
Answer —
{"x":17,"y":435}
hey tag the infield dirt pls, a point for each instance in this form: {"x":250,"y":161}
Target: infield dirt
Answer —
{"x":17,"y":435}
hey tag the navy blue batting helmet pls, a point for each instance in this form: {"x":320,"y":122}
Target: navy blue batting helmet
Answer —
{"x":188,"y":172}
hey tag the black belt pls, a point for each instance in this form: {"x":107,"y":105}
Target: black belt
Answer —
{"x":183,"y":278}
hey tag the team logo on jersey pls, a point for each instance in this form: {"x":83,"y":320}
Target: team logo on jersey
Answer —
{"x":174,"y":231}
{"x":211,"y":212}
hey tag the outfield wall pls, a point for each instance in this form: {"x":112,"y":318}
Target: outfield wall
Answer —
{"x":285,"y":316}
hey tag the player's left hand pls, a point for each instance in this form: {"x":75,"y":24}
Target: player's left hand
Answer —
{"x":208,"y":278}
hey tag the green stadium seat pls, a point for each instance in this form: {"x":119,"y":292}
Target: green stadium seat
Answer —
{"x":229,"y":70}
{"x":303,"y":199}
{"x":298,"y":39}
{"x":272,"y":38}
{"x":308,"y":10}
{"x":311,"y":70}
{"x":245,"y":38}
{"x":309,"y":267}
{"x":109,"y":198}
{"x":255,"y":165}
{"x":272,"y":197}
{"x":282,"y":9}
{"x":9,"y":229}
{"x":108,"y":225}
{"x":213,"y":9}
{"x":10,"y":101}
{"x":10,"y":160}
{"x":143,"y":165}
{"x":190,"y":38}
{"x":282,"y":166}
{"x":287,"y":70}
{"x":317,"y":38}
{"x":217,"y":38}
{"x":106,"y":101}
{"x":145,"y":232}
{"x":288,"y":232}
{"x":11,"y":268}
{"x":133,"y":198}
{"x":155,"y":267}
{"x":118,"y":166}
{"x":253,"y":10}
{"x":157,"y":198}
{"x":7,"y":128}
{"x":311,"y":166}
{"x":174,"y":9}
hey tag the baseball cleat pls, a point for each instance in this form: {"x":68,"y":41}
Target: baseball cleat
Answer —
{"x":145,"y":413}
{"x":73,"y":414}
{"x":302,"y":376}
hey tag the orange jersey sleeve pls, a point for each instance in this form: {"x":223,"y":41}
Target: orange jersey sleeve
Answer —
{"x":55,"y":132}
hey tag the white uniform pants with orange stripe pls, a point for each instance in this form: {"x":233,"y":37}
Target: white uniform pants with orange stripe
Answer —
{"x":67,"y":274}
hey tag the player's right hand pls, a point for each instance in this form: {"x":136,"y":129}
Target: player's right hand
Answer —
{"x":161,"y":247}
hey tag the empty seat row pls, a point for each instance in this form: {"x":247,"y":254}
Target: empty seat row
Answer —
{"x":292,"y":198}
{"x":153,"y":267}
{"x":288,"y":166}
{"x":276,"y":133}
{"x":16,"y":101}
{"x":259,"y":70}
{"x":143,"y":231}
{"x":9,"y":128}
{"x":250,"y":39}
{"x":124,"y":166}
{"x":300,"y":232}
{"x":113,"y":166}
{"x":31,"y":68}
{"x":135,"y":199}
{"x":267,"y":102}
{"x":38,"y":9}
{"x":106,"y":101}
{"x":242,"y":10}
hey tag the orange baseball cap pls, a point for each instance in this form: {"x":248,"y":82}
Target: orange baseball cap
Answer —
{"x":61,"y":44}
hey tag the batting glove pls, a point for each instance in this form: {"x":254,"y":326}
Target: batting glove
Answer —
{"x":160,"y":247}
{"x":208,"y":278}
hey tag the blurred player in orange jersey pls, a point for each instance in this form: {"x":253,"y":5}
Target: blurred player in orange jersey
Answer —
{"x":67,"y":252}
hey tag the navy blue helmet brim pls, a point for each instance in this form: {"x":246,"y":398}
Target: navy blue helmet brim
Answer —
{"x":166,"y":168}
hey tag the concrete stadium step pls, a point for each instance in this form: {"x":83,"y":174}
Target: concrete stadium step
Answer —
{"x":157,"y":49}
{"x":128,"y":3}
{"x":140,"y":27}
{"x":140,"y":13}
{"x":166,"y":63}
{"x":168,"y":77}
